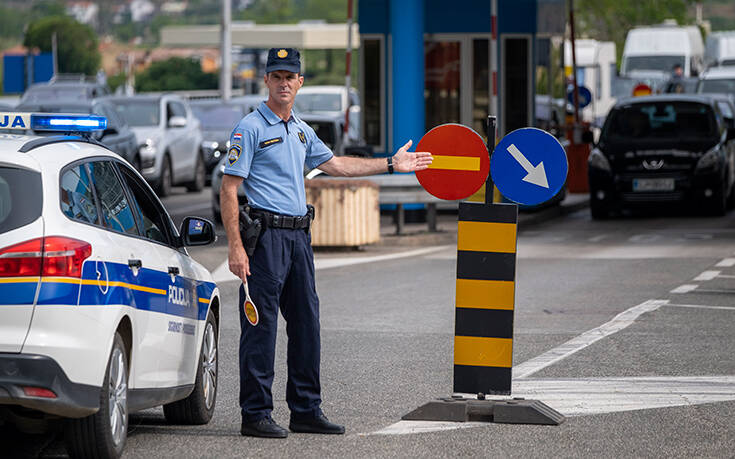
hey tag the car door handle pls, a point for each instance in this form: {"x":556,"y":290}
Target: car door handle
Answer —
{"x":135,"y":264}
{"x":173,"y":270}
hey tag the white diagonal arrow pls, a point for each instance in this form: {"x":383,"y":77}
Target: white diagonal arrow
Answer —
{"x":536,"y":174}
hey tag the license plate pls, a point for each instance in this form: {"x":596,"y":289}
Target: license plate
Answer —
{"x":663,"y":184}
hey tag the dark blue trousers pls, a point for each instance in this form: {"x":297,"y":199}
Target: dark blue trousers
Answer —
{"x":282,"y":277}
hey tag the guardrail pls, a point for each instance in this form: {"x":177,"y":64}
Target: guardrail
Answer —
{"x":401,"y":189}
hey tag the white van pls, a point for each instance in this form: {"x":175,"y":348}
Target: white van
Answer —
{"x":657,"y":49}
{"x":595,"y":71}
{"x":720,"y":49}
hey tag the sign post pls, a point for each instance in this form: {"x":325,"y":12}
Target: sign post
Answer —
{"x":486,"y":264}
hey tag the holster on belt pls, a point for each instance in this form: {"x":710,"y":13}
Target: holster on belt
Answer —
{"x":250,"y":230}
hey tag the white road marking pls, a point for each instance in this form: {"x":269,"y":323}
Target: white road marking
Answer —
{"x":598,"y":238}
{"x":726,"y":276}
{"x":726,"y":263}
{"x":576,"y":397}
{"x":707,"y":276}
{"x":619,"y":322}
{"x":686,"y":288}
{"x":413,"y":427}
{"x":587,"y":396}
{"x":223,"y":274}
{"x":700,"y":306}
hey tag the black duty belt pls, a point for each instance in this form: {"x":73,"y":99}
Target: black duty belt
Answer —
{"x":282,"y":221}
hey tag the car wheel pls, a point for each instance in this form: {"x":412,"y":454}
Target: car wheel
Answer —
{"x":164,"y":179}
{"x":103,"y":434}
{"x":200,"y":176}
{"x":198,"y":407}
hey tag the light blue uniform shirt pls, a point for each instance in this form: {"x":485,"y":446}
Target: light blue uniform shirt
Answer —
{"x":270,"y":155}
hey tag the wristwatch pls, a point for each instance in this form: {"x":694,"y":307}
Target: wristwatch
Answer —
{"x":390,"y":164}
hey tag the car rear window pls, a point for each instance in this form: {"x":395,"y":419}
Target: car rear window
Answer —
{"x":661,"y":120}
{"x":21,"y":197}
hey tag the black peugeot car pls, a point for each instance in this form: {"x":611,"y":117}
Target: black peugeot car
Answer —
{"x":663,"y":149}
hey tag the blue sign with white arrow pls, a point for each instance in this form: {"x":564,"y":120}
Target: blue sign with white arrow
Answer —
{"x":529,"y":166}
{"x":585,"y":96}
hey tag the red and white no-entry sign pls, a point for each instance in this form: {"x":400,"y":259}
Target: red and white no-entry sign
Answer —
{"x":461,"y":162}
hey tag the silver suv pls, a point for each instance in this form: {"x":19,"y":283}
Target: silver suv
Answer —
{"x":170,"y":138}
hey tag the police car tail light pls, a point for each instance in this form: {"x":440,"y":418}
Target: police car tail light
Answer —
{"x":24,"y":259}
{"x":50,"y":256}
{"x":63,"y":256}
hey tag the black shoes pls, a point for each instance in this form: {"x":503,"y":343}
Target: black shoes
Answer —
{"x":265,"y":427}
{"x":319,"y":425}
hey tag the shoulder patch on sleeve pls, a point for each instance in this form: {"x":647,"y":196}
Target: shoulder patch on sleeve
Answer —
{"x":234,"y":154}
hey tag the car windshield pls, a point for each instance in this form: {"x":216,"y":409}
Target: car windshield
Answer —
{"x":21,"y":197}
{"x":660,"y":63}
{"x":139,"y":112}
{"x":45,"y":93}
{"x":717,"y":86}
{"x":660,"y":120}
{"x":311,"y":102}
{"x":218,"y":116}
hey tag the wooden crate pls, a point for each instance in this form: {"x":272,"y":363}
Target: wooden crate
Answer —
{"x":347,"y":212}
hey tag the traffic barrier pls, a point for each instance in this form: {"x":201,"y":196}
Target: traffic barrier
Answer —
{"x":485,"y":294}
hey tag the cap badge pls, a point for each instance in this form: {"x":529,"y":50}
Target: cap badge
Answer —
{"x":282,"y":53}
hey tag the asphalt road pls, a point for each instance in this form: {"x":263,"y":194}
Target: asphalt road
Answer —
{"x":625,"y":326}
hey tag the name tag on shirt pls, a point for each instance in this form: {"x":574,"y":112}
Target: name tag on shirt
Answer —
{"x":269,"y":142}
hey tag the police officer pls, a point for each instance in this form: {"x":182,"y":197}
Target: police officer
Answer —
{"x":268,"y":150}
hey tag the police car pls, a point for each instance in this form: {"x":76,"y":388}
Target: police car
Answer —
{"x":102,"y":311}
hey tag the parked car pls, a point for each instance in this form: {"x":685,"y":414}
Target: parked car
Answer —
{"x":217,"y":119}
{"x":333,"y":102}
{"x":659,"y":48}
{"x":720,"y":49}
{"x":102,"y":310}
{"x":170,"y":139}
{"x":117,"y":136}
{"x":717,"y":80}
{"x":663,"y":149}
{"x":70,"y":87}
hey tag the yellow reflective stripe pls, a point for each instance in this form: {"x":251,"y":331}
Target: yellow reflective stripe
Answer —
{"x":485,"y":294}
{"x":141,"y":288}
{"x":456,"y":163}
{"x":483,"y":352}
{"x":486,"y":237}
{"x":18,"y":280}
{"x":204,"y":300}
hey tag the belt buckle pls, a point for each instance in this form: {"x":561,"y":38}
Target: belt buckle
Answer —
{"x":276,"y":219}
{"x":288,"y":221}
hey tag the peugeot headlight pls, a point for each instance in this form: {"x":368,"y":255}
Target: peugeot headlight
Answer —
{"x":709,"y":160}
{"x":598,"y":161}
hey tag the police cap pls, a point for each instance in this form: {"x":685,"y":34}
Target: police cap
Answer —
{"x":287,"y":59}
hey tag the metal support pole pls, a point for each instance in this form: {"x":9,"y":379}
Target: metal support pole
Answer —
{"x":574,"y":63}
{"x":492,"y":129}
{"x":226,"y":51}
{"x":348,"y":73}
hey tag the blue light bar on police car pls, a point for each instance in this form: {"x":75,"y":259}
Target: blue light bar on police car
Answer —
{"x":68,"y":123}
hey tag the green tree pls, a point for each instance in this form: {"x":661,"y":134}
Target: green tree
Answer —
{"x":173,"y":74}
{"x":610,"y":20}
{"x":76,"y":43}
{"x":47,"y":8}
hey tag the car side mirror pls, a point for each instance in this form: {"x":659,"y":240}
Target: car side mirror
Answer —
{"x":588,"y":137}
{"x":196,"y":231}
{"x":177,"y":122}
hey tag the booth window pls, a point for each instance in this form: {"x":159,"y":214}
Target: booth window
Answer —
{"x":372,"y":97}
{"x":480,"y":83}
{"x":442,"y":82}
